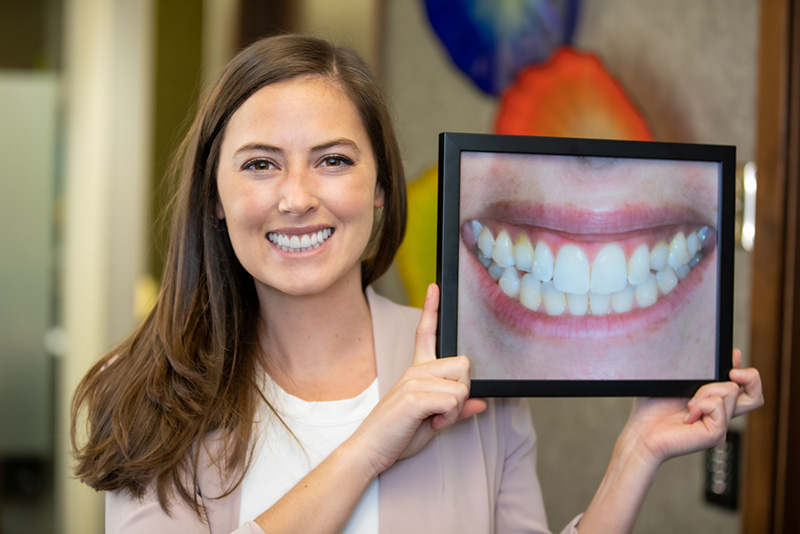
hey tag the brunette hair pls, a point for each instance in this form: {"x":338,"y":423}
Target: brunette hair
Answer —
{"x":191,"y":369}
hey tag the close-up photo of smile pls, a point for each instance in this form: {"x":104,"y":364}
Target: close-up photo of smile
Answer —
{"x":575,"y":268}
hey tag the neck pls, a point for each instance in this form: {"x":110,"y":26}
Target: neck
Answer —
{"x":319,"y":346}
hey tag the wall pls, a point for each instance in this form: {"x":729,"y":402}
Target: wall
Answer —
{"x":691,"y":66}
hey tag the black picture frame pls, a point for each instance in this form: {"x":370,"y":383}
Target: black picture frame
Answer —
{"x":515,"y":382}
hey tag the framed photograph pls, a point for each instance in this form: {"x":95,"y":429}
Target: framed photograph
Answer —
{"x":585,"y":267}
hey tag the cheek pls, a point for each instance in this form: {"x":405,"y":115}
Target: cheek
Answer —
{"x":243,"y":213}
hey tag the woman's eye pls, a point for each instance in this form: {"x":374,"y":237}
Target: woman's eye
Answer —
{"x":336,"y":161}
{"x":258,"y":165}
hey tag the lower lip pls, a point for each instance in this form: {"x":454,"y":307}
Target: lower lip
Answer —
{"x":526,"y":322}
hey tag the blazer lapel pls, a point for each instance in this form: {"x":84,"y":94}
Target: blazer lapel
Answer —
{"x":443,"y":488}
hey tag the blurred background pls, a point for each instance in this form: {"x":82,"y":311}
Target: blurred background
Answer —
{"x":95,"y":96}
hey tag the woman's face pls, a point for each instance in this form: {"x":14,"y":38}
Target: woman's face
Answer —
{"x":575,"y":268}
{"x":297,"y":186}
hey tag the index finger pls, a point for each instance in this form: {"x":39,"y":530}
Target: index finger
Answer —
{"x":425,"y":346}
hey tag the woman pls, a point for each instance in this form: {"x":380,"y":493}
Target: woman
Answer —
{"x":271,"y":389}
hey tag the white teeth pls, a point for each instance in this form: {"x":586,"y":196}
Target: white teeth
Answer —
{"x":530,"y":292}
{"x":486,"y":242}
{"x":609,"y":270}
{"x":639,"y":265}
{"x":678,"y":253}
{"x":667,"y":280}
{"x":658,"y":256}
{"x":555,"y":301}
{"x":502,"y":254}
{"x":476,"y":228}
{"x":543,"y":262}
{"x":647,"y":291}
{"x":301,"y":243}
{"x":568,"y":283}
{"x":495,"y":271}
{"x":578,"y":304}
{"x":622,"y":301}
{"x":571,"y":273}
{"x":523,"y":254}
{"x":509,"y":282}
{"x":693,"y":244}
{"x":682,"y":271}
{"x":599,"y":304}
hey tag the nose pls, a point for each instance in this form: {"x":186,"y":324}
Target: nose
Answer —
{"x":298,"y":195}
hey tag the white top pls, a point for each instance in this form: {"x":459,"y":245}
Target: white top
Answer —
{"x":281,"y":459}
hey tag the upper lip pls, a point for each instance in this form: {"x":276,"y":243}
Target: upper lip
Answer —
{"x":590,"y":225}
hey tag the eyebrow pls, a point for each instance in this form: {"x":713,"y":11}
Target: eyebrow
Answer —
{"x":344,"y":141}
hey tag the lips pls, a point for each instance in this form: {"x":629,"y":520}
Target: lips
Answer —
{"x":566,"y":284}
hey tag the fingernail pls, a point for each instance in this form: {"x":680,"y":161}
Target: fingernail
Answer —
{"x":430,"y":290}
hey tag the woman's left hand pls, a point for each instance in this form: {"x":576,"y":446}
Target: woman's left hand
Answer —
{"x":672,"y":427}
{"x":659,"y":429}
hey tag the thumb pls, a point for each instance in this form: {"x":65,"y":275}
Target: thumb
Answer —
{"x":425,"y":347}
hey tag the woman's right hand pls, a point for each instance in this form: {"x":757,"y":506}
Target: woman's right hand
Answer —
{"x":431,"y":395}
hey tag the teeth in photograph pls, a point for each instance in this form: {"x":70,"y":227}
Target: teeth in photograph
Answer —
{"x":667,"y":280}
{"x":647,"y":292}
{"x":622,"y":301}
{"x":486,"y":242}
{"x":571,"y":272}
{"x":509,"y":282}
{"x":578,"y":304}
{"x":555,"y":301}
{"x":639,"y":265}
{"x":543,"y":262}
{"x":523,"y":254}
{"x":609,"y":270}
{"x":502,"y":253}
{"x":659,"y":255}
{"x":530,"y":292}
{"x":702,"y":235}
{"x":599,"y":304}
{"x":693,"y":244}
{"x":495,"y":271}
{"x":476,"y":228}
{"x":682,"y":271}
{"x":678,"y":252}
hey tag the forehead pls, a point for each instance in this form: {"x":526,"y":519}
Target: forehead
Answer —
{"x":308,"y":104}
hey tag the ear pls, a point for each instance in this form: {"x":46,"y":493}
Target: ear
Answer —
{"x":380,"y":196}
{"x":219,"y":211}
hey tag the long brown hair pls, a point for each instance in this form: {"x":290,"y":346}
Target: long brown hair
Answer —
{"x":191,"y":369}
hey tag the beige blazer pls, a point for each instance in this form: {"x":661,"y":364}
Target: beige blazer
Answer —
{"x":478,"y":476}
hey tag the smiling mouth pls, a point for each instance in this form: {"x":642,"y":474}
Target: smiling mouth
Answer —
{"x":299,"y":242}
{"x":557,"y":275}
